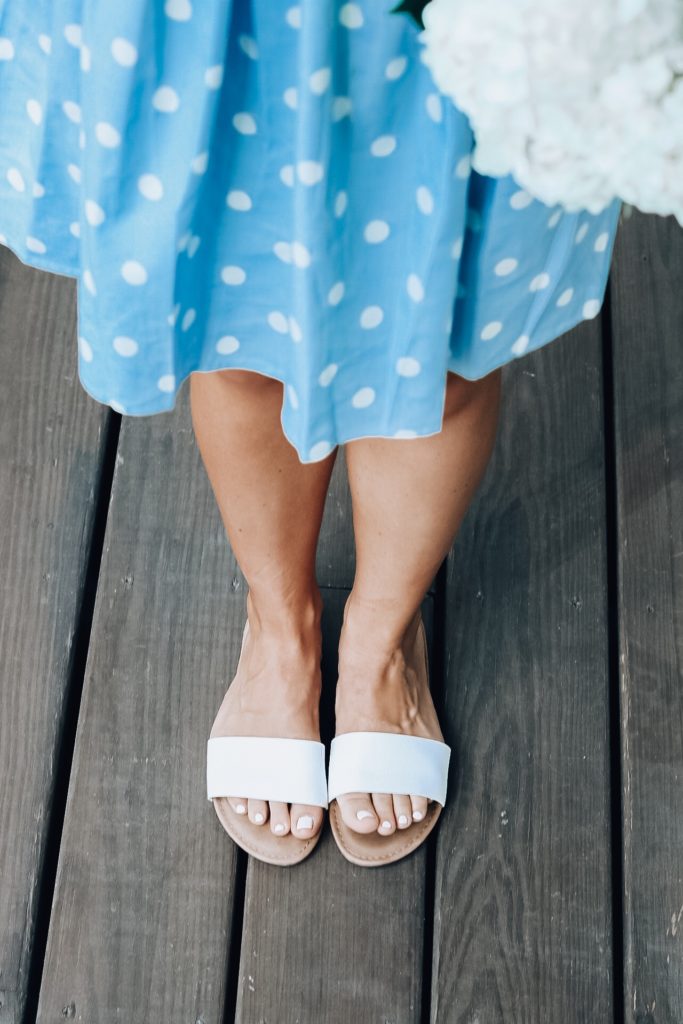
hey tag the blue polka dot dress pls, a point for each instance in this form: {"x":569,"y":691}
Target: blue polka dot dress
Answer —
{"x":279,"y":187}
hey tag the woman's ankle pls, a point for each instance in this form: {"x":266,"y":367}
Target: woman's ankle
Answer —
{"x":291,"y":617}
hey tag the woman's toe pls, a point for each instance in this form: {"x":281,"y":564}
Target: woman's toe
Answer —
{"x":305,"y":821}
{"x":403,"y":810}
{"x":279,"y":818}
{"x":238,"y":804}
{"x":258,"y":811}
{"x":419,"y":805}
{"x":384,"y":808}
{"x":358,"y":812}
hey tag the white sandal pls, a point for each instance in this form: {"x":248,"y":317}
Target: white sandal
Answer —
{"x":265,"y":768}
{"x":380,"y":762}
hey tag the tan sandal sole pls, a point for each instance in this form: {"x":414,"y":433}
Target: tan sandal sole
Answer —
{"x":372,"y":850}
{"x":259,"y":842}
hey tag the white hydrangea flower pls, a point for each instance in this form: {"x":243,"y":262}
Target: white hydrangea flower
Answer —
{"x":581,"y":101}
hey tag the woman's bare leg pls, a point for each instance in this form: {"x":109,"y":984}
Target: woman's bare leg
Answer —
{"x":271,"y":505}
{"x":409,"y":498}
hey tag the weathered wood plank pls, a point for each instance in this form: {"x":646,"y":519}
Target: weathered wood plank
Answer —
{"x":647,"y":318}
{"x":328,"y":941}
{"x":51,"y":446}
{"x":141,"y":920}
{"x":523,"y":905}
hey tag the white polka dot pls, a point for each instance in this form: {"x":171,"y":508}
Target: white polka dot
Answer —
{"x":295,"y":331}
{"x":178,"y":10}
{"x":505,"y":267}
{"x":45,"y":43}
{"x":116,"y":406}
{"x":249,"y":46}
{"x":376,"y":231}
{"x":35,"y":244}
{"x":213,"y":77}
{"x":415,"y":288}
{"x":335,"y":294}
{"x":34,"y":111}
{"x":405,"y":434}
{"x":565,"y":297}
{"x":16,"y":179}
{"x":173,"y":315}
{"x":383,"y":145}
{"x":74,"y":172}
{"x":133,"y":272}
{"x":125,"y":346}
{"x":521,"y":199}
{"x":425,"y":199}
{"x":406,"y":366}
{"x":107,"y":135}
{"x":193,"y":245}
{"x":89,"y":282}
{"x":520,"y":345}
{"x":85,"y":350}
{"x":278,"y":321}
{"x":72,"y":111}
{"x":150,"y":186}
{"x":227,"y":345}
{"x":85,"y":58}
{"x":291,"y":97}
{"x":188,"y":319}
{"x":166,"y":99}
{"x":395,"y":68}
{"x":554,"y":219}
{"x":456,"y":248}
{"x":433,"y":107}
{"x":320,"y":80}
{"x":319,"y":450}
{"x":75,"y":229}
{"x":327,"y":375}
{"x":463,"y":167}
{"x":539,"y":282}
{"x":283,"y":251}
{"x":123,"y":52}
{"x":166,"y":382}
{"x":6,"y":48}
{"x":340,"y":203}
{"x":73,"y":34}
{"x":491,"y":330}
{"x":350,"y":16}
{"x":238,"y":200}
{"x":38,"y":190}
{"x":363,"y":398}
{"x":293,"y":397}
{"x":371,"y":316}
{"x":293,"y":16}
{"x":591,"y":308}
{"x":301,"y":257}
{"x":94,"y":214}
{"x":199,"y":163}
{"x":287,"y":174}
{"x":310,"y":172}
{"x":233,"y":275}
{"x":601,"y":242}
{"x":341,"y":107}
{"x":581,"y":233}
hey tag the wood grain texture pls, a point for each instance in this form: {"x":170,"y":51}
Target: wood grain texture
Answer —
{"x":140,"y":927}
{"x":522,"y":927}
{"x":329,"y":941}
{"x":51,"y":441}
{"x":647,"y":320}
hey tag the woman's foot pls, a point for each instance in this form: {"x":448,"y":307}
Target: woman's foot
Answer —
{"x":276,"y":692}
{"x":381,"y":688}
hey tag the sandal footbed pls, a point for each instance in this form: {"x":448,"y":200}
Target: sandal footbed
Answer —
{"x":370,"y":849}
{"x":259,"y":842}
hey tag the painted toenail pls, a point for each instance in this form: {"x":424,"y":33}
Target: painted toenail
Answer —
{"x":402,"y":819}
{"x":305,"y":821}
{"x":241,"y":809}
{"x":418,"y":815}
{"x":363,"y":814}
{"x":279,"y":828}
{"x":259,"y":819}
{"x":386,"y":824}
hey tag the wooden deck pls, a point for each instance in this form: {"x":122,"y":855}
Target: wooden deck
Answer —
{"x":552,"y":892}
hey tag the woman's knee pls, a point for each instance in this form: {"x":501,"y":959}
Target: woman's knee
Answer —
{"x":243,"y":380}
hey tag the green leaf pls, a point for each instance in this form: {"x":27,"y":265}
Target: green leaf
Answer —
{"x":412,"y":7}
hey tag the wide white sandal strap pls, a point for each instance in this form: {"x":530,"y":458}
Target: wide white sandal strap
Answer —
{"x":267,"y":768}
{"x":381,"y":762}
